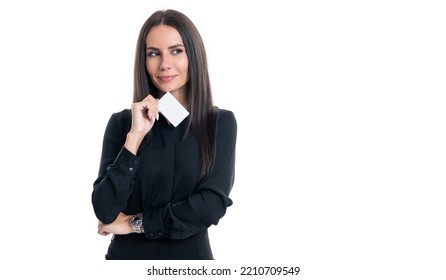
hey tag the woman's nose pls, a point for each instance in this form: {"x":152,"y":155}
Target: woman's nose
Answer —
{"x":165,"y":63}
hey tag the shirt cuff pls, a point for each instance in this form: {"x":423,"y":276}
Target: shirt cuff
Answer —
{"x":153,"y":224}
{"x":127,"y":161}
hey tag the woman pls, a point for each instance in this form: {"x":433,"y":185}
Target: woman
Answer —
{"x":160,"y":187}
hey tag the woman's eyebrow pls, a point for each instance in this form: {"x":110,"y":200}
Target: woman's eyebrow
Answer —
{"x":152,"y":48}
{"x":176,"y":46}
{"x":171,"y":47}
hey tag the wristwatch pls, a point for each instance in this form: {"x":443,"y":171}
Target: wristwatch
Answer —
{"x":136,"y":223}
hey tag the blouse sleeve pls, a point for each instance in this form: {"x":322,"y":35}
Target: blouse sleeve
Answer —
{"x":113,"y":187}
{"x":211,"y":197}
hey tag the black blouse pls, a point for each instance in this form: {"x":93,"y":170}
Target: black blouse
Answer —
{"x":162,"y":182}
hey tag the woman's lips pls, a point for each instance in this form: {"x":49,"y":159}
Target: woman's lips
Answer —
{"x":166,"y":78}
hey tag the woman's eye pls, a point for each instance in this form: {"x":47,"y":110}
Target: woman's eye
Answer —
{"x":152,"y":54}
{"x":177,"y":51}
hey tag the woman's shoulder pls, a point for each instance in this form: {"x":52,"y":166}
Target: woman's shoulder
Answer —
{"x":123,"y":115}
{"x":120,"y":119}
{"x":225,"y":118}
{"x":224,"y":113}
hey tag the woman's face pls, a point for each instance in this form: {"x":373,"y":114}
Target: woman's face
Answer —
{"x":166,"y":59}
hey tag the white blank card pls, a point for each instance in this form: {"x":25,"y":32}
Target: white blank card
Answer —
{"x":169,"y":106}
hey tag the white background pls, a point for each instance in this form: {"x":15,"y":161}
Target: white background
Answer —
{"x":341,"y":145}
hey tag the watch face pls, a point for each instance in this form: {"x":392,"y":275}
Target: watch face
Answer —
{"x":137,"y":222}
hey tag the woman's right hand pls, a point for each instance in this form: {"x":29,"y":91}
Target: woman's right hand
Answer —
{"x":144,"y":115}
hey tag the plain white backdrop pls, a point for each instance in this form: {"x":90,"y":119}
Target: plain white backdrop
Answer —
{"x":341,"y":145}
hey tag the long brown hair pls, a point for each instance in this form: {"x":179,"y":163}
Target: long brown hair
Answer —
{"x":202,"y":118}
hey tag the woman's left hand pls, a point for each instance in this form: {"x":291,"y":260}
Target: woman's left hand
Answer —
{"x":121,"y":225}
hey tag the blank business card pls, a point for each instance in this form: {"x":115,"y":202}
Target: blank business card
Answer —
{"x":169,"y":106}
